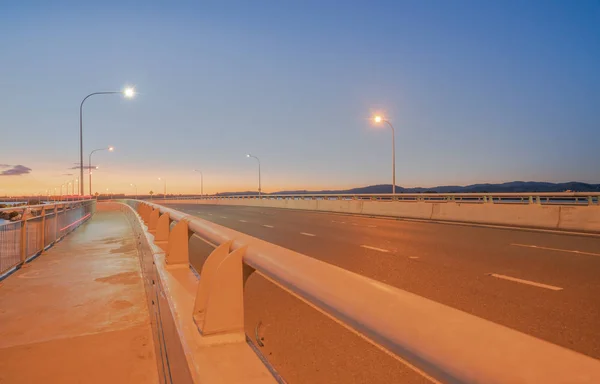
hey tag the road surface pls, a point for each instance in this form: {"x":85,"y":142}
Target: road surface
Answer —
{"x":540,"y":283}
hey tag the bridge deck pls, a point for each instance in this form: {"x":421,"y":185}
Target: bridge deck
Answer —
{"x":78,"y":313}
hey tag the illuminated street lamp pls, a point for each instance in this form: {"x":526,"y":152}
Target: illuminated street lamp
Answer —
{"x":135,"y":186}
{"x":259,"y":187}
{"x":165,"y":193}
{"x":201,"y":182}
{"x":378,"y":119}
{"x":127,"y":92}
{"x":110,"y":149}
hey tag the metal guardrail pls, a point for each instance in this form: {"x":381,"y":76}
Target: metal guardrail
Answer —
{"x":570,"y":198}
{"x":442,"y":343}
{"x":39,"y":228}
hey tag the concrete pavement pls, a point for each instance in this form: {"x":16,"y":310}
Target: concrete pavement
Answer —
{"x":542,"y":284}
{"x":78,"y":313}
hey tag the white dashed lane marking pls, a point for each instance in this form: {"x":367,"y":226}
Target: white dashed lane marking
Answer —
{"x":375,"y":248}
{"x":307,"y":234}
{"x":532,"y":283}
{"x":268,"y":226}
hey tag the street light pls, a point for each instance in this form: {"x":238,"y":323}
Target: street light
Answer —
{"x":127,"y":92}
{"x":135,"y":186}
{"x":165,"y":194}
{"x":110,"y":149}
{"x":378,"y":119}
{"x":201,"y":182}
{"x":257,"y":159}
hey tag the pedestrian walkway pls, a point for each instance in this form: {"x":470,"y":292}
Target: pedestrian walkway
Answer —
{"x":78,"y":313}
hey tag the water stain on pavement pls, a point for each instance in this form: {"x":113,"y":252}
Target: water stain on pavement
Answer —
{"x":112,"y":240}
{"x":126,"y":248}
{"x":125,"y":278}
{"x":121,"y":304}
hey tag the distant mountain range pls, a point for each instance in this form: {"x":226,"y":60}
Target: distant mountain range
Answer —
{"x":513,"y":186}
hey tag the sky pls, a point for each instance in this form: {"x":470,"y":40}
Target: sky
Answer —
{"x":478,"y":91}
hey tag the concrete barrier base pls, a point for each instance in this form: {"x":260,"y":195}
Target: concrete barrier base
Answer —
{"x":580,"y":218}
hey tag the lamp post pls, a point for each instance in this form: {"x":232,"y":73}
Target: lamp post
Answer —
{"x":135,"y":186}
{"x":165,"y":193}
{"x":259,"y":187}
{"x":127,"y":92}
{"x":379,"y":119}
{"x":110,"y":149}
{"x":201,"y":182}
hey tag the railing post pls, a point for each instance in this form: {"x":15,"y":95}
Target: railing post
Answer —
{"x":178,"y":247}
{"x":23,"y":238}
{"x":43,"y":234}
{"x":55,"y":222}
{"x":219,"y":305}
{"x":590,"y":200}
{"x":530,"y":199}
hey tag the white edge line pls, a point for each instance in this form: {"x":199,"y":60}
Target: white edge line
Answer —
{"x":375,"y":248}
{"x":556,"y":249}
{"x":533,"y":283}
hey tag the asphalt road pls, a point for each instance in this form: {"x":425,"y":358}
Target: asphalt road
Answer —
{"x":543,"y":284}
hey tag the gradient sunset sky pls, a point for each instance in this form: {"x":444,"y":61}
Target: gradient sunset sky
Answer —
{"x":479,"y":91}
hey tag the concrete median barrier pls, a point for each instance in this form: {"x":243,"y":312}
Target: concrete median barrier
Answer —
{"x":582,"y":218}
{"x":529,"y":215}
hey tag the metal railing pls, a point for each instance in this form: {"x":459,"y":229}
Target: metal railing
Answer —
{"x":569,"y":198}
{"x":443,"y":343}
{"x":39,"y":227}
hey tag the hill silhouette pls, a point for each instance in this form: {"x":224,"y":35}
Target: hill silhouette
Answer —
{"x":510,"y":187}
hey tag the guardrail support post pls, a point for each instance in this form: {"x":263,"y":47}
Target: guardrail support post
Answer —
{"x":537,"y":200}
{"x":161,"y":238}
{"x":178,"y":247}
{"x":153,"y":218}
{"x":146,"y":214}
{"x":219,"y":305}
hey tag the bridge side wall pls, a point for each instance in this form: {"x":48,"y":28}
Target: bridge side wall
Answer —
{"x":583,"y":218}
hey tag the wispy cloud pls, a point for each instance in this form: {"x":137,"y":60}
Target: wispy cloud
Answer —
{"x":14,"y":170}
